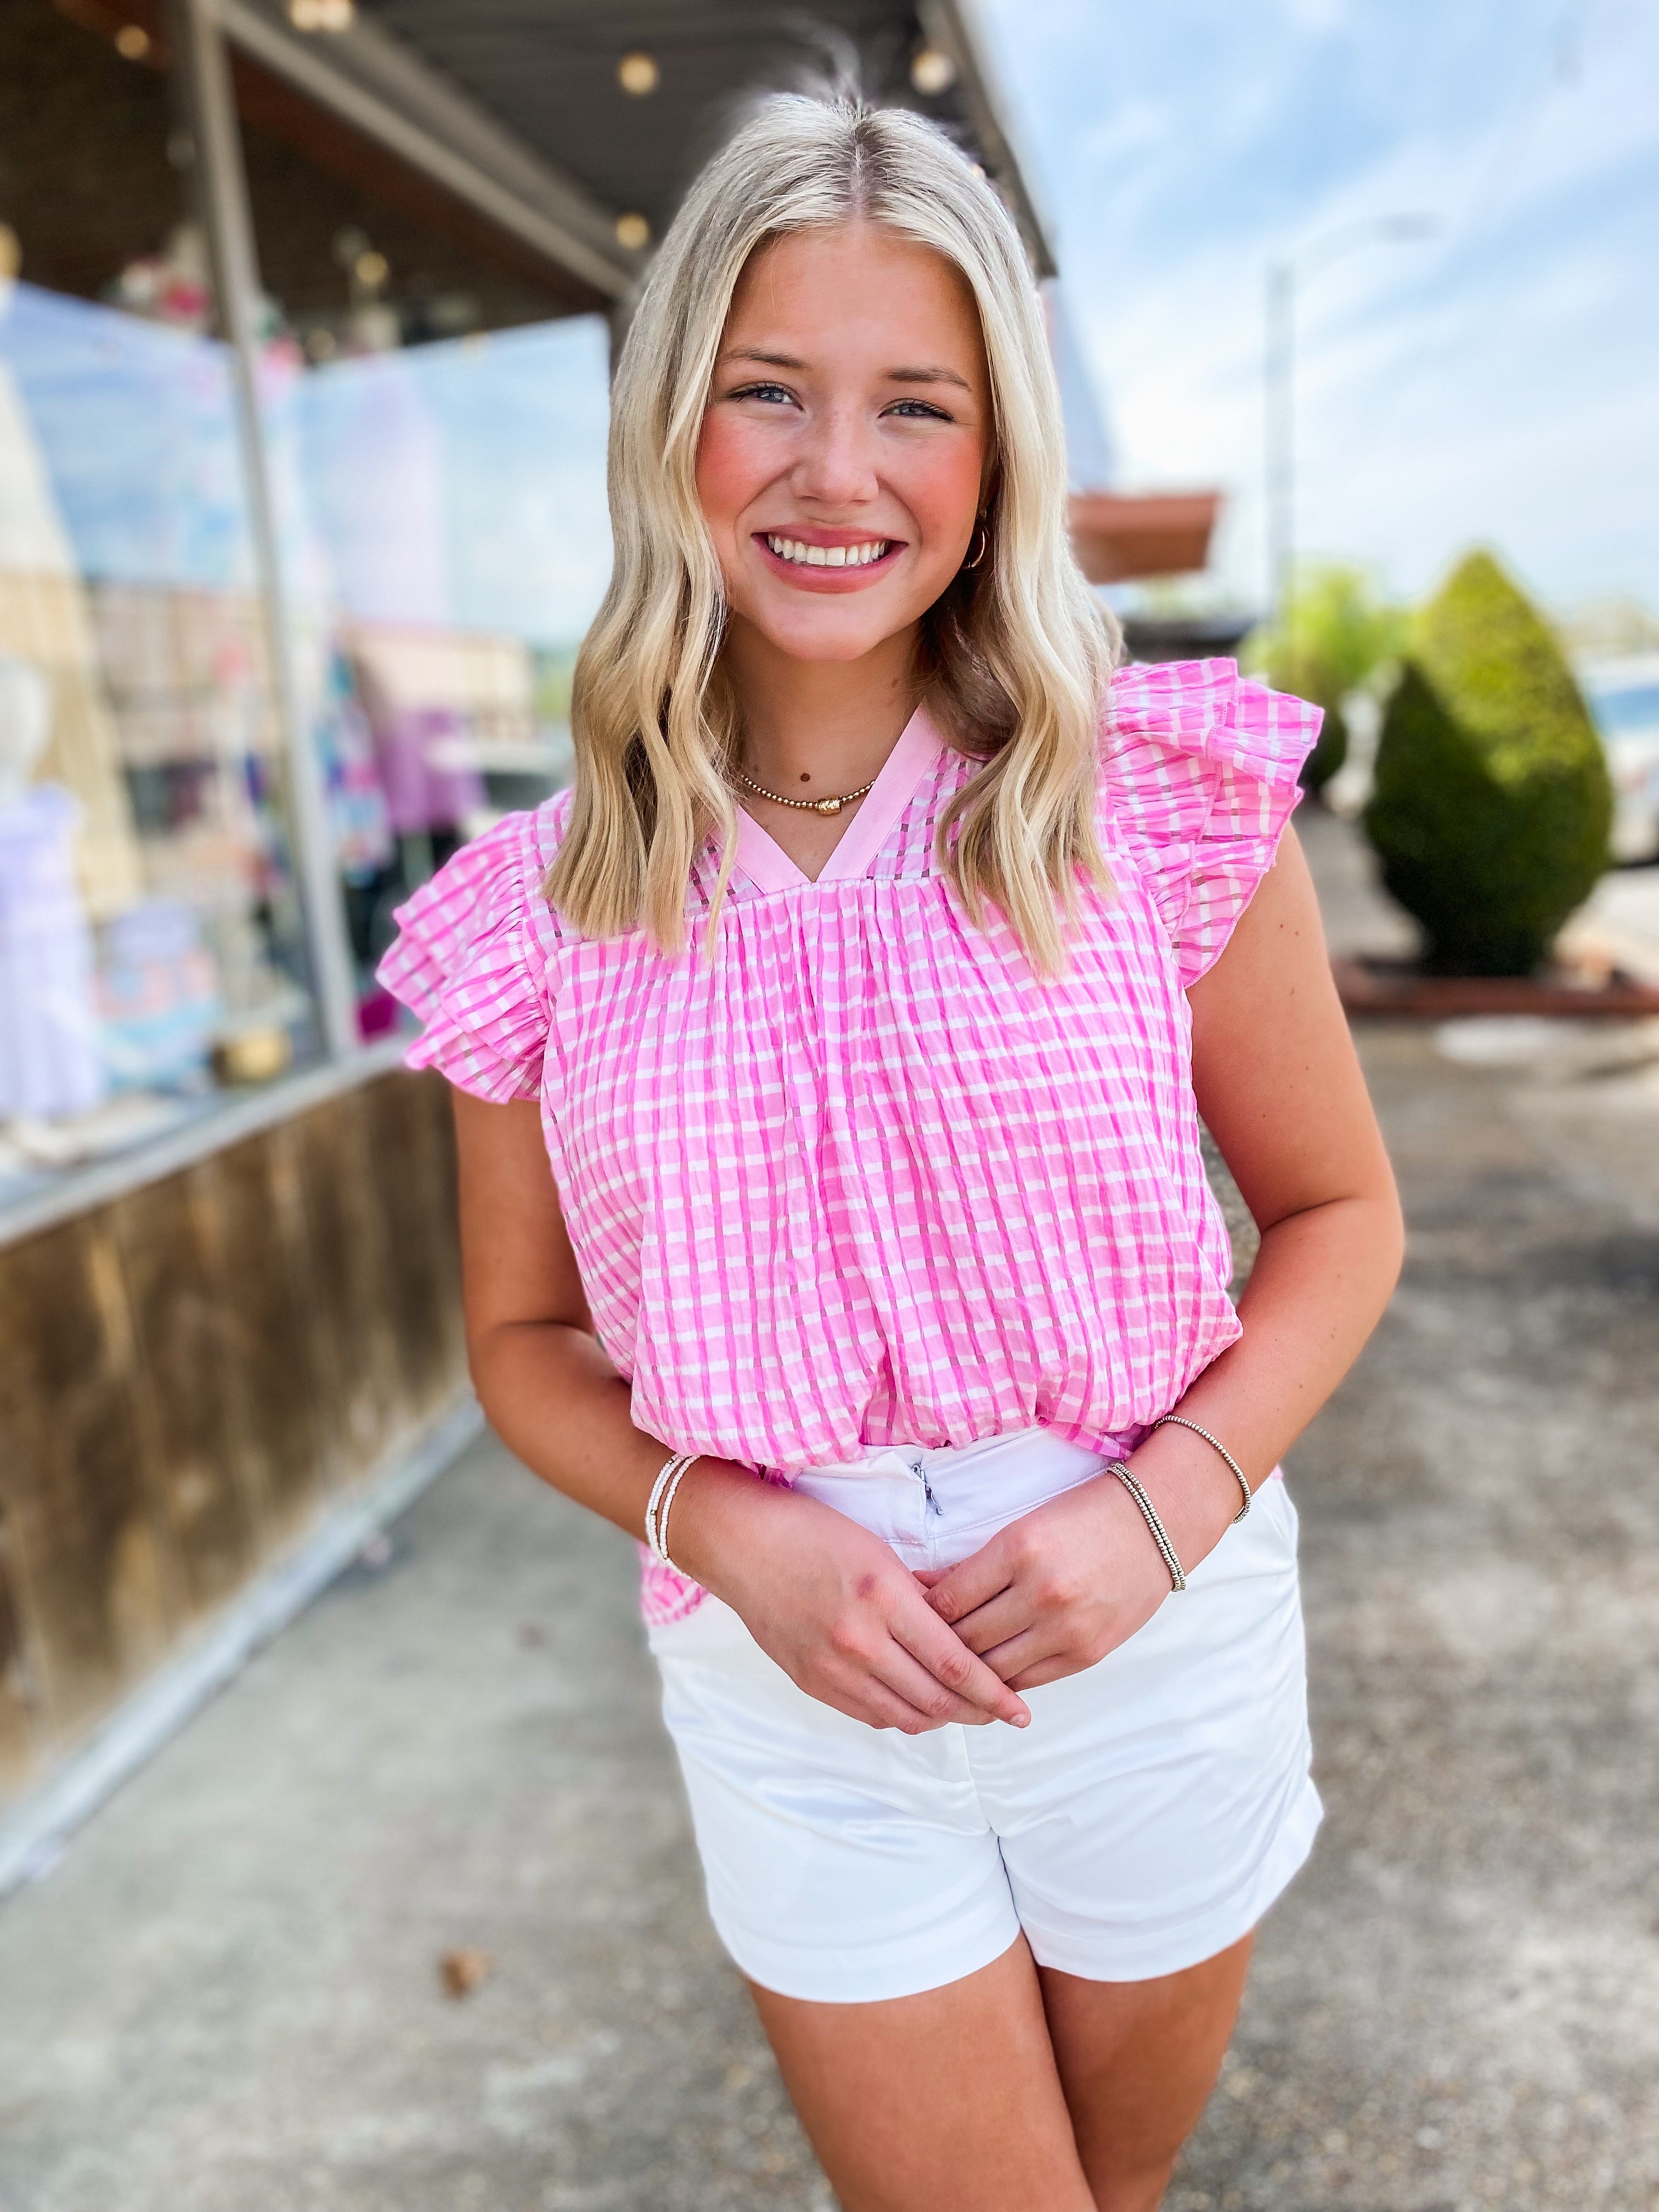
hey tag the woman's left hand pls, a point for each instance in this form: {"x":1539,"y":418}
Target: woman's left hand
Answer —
{"x":1057,"y":1589}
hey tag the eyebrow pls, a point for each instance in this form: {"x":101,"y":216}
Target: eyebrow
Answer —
{"x":931,"y":375}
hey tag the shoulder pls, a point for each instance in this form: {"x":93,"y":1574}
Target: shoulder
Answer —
{"x":496,"y":880}
{"x":472,"y":954}
{"x":1178,"y":734}
{"x":1199,"y":770}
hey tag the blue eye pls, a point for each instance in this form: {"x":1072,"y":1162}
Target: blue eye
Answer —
{"x":918,"y":410}
{"x":770,"y":392}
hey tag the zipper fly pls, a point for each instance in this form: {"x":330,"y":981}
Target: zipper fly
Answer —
{"x":920,"y":1473}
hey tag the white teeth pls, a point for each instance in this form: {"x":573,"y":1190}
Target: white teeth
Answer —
{"x":828,"y":557}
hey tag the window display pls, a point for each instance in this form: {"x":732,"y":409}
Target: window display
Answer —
{"x":446,"y":543}
{"x":434,"y":425}
{"x":152,"y":803}
{"x":148,"y":925}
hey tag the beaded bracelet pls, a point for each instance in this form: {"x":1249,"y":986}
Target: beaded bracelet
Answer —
{"x":1180,"y":1421}
{"x":667,"y":1506}
{"x":668,"y":1474}
{"x":1149,"y":1515}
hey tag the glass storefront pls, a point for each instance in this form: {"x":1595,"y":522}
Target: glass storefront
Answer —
{"x":150,"y":949}
{"x":446,"y":544}
{"x":434,"y":442}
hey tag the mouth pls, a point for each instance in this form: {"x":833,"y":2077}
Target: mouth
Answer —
{"x":828,"y":568}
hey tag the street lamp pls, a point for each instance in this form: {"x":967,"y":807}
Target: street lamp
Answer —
{"x":1280,"y":383}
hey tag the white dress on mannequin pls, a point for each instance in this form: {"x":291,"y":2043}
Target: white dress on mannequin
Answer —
{"x":51,"y":1062}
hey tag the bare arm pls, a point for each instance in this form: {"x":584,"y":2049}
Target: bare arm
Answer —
{"x":826,"y":1598}
{"x":1280,"y":1087}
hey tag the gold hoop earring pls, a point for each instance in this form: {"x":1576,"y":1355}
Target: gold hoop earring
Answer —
{"x":984,"y":542}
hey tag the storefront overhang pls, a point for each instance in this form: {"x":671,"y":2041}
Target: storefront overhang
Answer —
{"x":548,"y":71}
{"x":1119,"y":538}
{"x":519,"y":111}
{"x":505,"y":125}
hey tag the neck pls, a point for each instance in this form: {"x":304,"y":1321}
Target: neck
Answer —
{"x":813,"y":728}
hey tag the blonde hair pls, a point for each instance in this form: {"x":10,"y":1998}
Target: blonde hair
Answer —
{"x":1013,"y":659}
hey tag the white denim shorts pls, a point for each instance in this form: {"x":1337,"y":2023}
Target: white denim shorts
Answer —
{"x":1156,"y":1807}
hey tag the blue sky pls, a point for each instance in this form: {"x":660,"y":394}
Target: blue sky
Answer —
{"x":1500,"y":383}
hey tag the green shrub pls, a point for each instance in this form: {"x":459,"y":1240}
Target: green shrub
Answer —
{"x":1330,"y":749}
{"x":1492,"y":804}
{"x":1333,"y":634}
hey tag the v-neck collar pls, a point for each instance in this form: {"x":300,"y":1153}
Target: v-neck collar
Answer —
{"x":769,"y":868}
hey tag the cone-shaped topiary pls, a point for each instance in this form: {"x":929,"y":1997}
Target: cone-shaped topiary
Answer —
{"x":1492,"y":802}
{"x":1331,"y":750}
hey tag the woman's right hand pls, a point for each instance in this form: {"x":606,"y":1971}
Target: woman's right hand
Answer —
{"x":829,"y":1602}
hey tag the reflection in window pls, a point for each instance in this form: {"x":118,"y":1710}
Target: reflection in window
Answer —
{"x":445,"y":544}
{"x":150,"y":937}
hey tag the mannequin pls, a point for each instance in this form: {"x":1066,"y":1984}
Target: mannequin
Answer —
{"x":50,"y":1059}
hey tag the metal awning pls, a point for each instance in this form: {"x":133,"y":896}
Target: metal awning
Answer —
{"x":515,"y":110}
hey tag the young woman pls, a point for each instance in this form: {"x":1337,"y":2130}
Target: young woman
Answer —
{"x":865,"y":992}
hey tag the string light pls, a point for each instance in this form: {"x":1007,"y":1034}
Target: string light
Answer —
{"x":638,"y":74}
{"x":334,"y":16}
{"x":932,"y":71}
{"x":633,"y":231}
{"x":132,"y":42}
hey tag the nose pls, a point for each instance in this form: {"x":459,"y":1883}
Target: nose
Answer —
{"x":835,"y":465}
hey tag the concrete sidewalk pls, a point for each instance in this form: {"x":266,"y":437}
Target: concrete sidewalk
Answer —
{"x":227,"y":1997}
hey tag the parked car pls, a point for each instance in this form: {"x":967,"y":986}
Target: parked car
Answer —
{"x":1622,"y":693}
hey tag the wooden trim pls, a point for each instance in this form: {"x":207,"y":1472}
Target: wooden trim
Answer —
{"x":195,"y":1371}
{"x":35,"y":1831}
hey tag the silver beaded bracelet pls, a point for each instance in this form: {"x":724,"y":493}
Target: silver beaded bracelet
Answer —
{"x":1149,"y":1515}
{"x":1180,"y":1421}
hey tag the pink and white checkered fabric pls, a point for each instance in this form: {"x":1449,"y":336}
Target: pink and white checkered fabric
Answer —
{"x":861,"y":1178}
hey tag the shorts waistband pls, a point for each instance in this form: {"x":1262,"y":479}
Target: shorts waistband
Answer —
{"x":917,"y":1498}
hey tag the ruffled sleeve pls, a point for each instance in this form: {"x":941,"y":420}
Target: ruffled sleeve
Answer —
{"x":1199,"y":778}
{"x":471,"y":958}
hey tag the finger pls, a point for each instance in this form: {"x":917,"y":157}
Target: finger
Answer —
{"x":948,"y":1660}
{"x":929,"y":1576}
{"x":911,"y":1680}
{"x":1053,"y":1669}
{"x":1006,"y":1615}
{"x":1033,"y":1647}
{"x":876,"y":1705}
{"x":973,"y":1582}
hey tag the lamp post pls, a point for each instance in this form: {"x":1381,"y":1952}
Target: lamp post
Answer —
{"x":1280,"y":392}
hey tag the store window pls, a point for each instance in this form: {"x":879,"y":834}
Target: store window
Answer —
{"x":151,"y":953}
{"x":434,"y":419}
{"x":437,"y":430}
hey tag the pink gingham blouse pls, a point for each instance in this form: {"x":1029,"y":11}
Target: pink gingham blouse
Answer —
{"x":863,"y":1178}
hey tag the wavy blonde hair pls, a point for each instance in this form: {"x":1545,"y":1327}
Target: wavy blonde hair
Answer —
{"x":1012,"y":661}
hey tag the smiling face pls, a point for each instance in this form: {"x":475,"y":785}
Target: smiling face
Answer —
{"x":846,"y":443}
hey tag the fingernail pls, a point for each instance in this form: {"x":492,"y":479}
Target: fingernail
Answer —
{"x":1022,"y":1720}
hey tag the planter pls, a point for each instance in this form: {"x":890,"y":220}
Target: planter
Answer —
{"x":1399,"y":990}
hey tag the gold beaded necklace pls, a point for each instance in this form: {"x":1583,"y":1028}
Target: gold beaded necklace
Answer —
{"x":805,"y":806}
